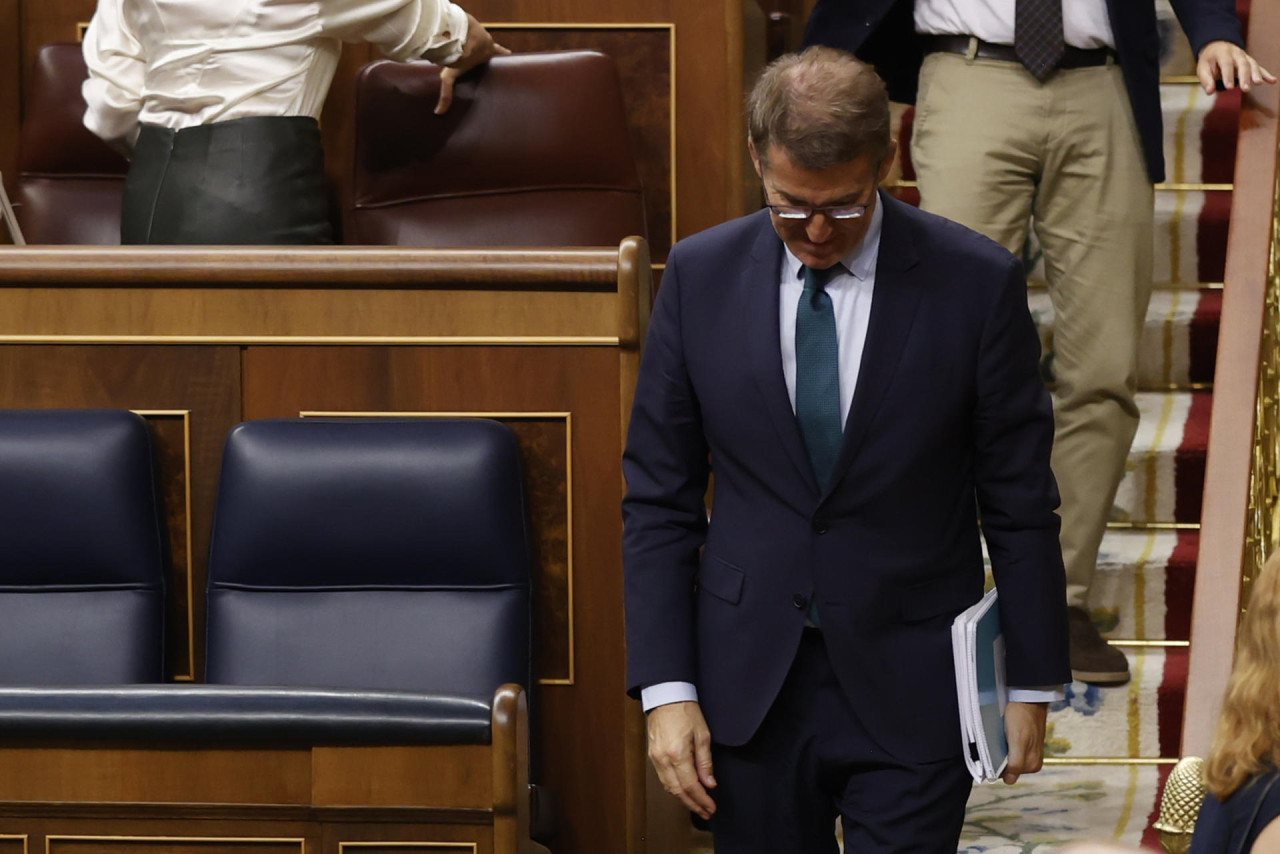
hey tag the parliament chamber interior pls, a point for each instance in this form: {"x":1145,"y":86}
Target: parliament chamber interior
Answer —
{"x":221,"y":467}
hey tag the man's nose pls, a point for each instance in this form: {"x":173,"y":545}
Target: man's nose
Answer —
{"x":818,"y":228}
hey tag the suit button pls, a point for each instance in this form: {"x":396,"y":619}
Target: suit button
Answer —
{"x":819,"y":527}
{"x":800,"y":601}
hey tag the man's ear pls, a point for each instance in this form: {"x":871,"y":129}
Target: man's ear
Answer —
{"x":755,"y":158}
{"x":886,"y":165}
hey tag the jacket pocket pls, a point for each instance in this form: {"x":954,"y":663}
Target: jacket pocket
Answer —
{"x":948,"y":594}
{"x":721,"y":579}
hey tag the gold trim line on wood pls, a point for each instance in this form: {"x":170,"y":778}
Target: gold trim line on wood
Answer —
{"x":1108,"y":760}
{"x":671,"y":52}
{"x":568,"y":456}
{"x":185,"y":415}
{"x":404,"y":843}
{"x":238,"y":840}
{"x":333,"y":340}
{"x":26,"y":842}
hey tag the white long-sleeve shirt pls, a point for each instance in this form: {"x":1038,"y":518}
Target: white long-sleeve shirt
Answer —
{"x":181,"y":63}
{"x":1085,"y":23}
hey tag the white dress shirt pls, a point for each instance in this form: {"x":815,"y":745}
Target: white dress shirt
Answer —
{"x":181,"y":63}
{"x":851,"y":293}
{"x":1084,"y":22}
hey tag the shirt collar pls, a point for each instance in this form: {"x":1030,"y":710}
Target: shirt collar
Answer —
{"x":861,"y":259}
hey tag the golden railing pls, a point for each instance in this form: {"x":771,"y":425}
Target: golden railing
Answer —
{"x":1262,"y":536}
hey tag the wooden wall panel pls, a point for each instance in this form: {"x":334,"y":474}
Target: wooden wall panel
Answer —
{"x":39,"y":773}
{"x":10,"y":88}
{"x":46,"y":21}
{"x":577,"y":726}
{"x":201,"y":381}
{"x":13,"y":844}
{"x":168,"y":845}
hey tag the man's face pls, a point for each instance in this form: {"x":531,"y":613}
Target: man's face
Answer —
{"x":820,"y":241}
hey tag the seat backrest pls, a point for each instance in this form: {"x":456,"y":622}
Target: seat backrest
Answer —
{"x":535,"y":151}
{"x":81,"y":555}
{"x":69,"y":182}
{"x":370,"y":554}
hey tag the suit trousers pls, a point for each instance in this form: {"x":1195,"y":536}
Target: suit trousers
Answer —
{"x":254,"y":180}
{"x":996,"y":150}
{"x":811,"y":761}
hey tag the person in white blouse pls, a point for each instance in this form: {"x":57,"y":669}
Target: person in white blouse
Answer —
{"x":216,"y":103}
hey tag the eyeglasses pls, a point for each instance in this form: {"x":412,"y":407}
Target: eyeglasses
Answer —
{"x":804,"y":212}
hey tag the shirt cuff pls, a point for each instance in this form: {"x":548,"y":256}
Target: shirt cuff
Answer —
{"x":448,"y":50}
{"x":666,"y":693}
{"x":1039,"y":694}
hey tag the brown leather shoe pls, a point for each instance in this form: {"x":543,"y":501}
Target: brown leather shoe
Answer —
{"x":1093,"y":660}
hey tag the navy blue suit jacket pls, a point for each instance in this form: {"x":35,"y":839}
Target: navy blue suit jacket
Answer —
{"x":949,"y":417}
{"x":882,"y":33}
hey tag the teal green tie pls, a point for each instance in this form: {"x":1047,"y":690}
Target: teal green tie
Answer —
{"x":818,"y":374}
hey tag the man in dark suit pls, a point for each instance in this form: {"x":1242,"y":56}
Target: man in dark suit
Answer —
{"x":1050,"y":110}
{"x":862,"y":379}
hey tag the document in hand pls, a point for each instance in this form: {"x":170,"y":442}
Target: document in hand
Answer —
{"x":978,"y":647}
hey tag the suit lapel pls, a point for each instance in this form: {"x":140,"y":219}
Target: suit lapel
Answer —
{"x":760,"y":319}
{"x":893,"y":309}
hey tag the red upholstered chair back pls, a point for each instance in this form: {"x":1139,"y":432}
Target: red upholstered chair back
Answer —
{"x":69,"y":181}
{"x":535,"y":151}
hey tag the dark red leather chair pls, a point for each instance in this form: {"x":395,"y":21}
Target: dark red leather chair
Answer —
{"x":535,"y":151}
{"x":69,"y":182}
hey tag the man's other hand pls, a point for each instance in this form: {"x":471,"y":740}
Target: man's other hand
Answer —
{"x":1222,"y":60}
{"x":680,"y":750}
{"x":1024,"y":730}
{"x":478,"y":49}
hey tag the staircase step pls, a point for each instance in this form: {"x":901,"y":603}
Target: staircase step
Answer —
{"x":1140,"y":720}
{"x":1143,"y":586}
{"x":1061,"y":804}
{"x":1164,"y":475}
{"x":1191,"y":237}
{"x":1199,"y":134}
{"x":1179,"y":338}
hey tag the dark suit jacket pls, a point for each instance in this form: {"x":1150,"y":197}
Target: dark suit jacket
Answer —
{"x":882,"y":33}
{"x":949,"y":417}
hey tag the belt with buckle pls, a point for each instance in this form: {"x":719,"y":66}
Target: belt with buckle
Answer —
{"x":1074,"y":57}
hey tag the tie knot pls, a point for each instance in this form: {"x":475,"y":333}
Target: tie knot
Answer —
{"x":816,"y":280}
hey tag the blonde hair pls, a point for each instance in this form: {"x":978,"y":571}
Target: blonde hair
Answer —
{"x":1248,"y":736}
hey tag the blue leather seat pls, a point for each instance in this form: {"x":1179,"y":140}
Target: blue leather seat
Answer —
{"x":81,"y":554}
{"x":378,"y":554}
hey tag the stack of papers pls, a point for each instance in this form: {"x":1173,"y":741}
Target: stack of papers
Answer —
{"x":978,"y":647}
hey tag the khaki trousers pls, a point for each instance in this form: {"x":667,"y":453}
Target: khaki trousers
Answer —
{"x":999,"y":152}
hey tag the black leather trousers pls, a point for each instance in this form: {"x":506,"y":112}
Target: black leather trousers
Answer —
{"x":256,"y":180}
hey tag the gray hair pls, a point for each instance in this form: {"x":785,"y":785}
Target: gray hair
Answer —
{"x":823,"y":107}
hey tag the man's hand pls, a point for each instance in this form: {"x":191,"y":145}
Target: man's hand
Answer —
{"x":680,"y":750}
{"x":1222,"y":60}
{"x":1024,"y":730}
{"x":478,"y":49}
